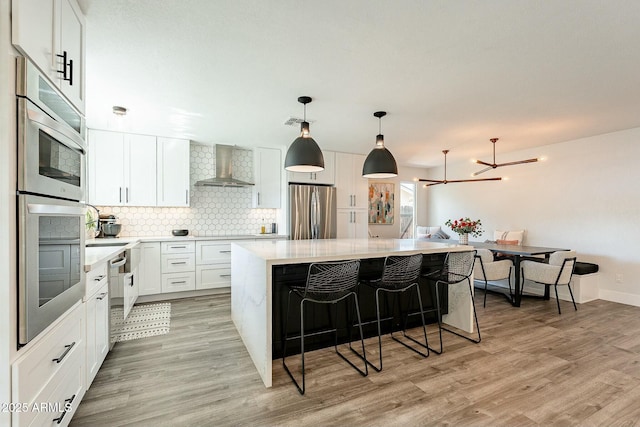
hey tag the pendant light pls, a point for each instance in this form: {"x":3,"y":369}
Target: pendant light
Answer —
{"x":304,"y":155}
{"x":380,"y":162}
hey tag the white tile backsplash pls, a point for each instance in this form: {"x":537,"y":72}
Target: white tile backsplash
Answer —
{"x":214,"y":211}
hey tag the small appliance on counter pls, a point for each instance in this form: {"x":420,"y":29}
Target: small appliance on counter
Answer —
{"x":108,"y":226}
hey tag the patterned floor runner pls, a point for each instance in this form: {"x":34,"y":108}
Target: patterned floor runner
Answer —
{"x":143,"y":321}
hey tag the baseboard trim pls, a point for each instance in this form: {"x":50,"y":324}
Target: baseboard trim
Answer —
{"x":620,"y":297}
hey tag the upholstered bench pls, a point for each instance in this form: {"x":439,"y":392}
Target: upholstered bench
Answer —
{"x":582,"y":268}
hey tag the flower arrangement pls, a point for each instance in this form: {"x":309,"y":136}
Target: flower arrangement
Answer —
{"x":466,"y":226}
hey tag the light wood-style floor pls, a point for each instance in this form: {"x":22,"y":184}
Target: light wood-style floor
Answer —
{"x":533,"y":367}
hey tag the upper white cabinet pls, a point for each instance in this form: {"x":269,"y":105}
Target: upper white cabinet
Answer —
{"x":137,"y":170}
{"x":351,"y":188}
{"x":173,"y":172}
{"x":52,"y":34}
{"x":121,"y":169}
{"x":267,"y":167}
{"x":327,"y":176}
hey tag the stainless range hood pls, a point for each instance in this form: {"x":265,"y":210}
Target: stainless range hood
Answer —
{"x":224,"y":170}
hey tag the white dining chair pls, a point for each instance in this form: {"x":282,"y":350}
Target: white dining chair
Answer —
{"x":558,"y":271}
{"x":487,"y":269}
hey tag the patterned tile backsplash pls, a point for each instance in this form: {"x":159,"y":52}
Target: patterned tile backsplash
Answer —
{"x":214,"y":211}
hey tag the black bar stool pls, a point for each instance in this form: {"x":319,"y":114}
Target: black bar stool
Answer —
{"x":399,"y":274}
{"x":457,"y":267}
{"x":327,"y":283}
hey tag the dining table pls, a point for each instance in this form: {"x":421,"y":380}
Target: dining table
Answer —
{"x":518,"y":253}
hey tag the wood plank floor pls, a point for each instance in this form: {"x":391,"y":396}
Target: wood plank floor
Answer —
{"x":533,"y":367}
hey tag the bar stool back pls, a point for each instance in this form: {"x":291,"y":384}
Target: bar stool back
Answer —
{"x":457,"y":268}
{"x":327,"y":283}
{"x":400,"y":273}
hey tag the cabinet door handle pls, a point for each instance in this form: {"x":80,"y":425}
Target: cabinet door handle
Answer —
{"x":178,"y":263}
{"x":258,"y":198}
{"x":225,"y":252}
{"x":70,"y":72}
{"x":98,"y":278}
{"x":225,"y":275}
{"x":101,"y":296}
{"x":126,"y":192}
{"x":68,"y":348}
{"x":354,"y":200}
{"x":177,"y":247}
{"x":120,"y":192}
{"x":64,"y":65}
{"x":66,"y":401}
{"x":181,"y":281}
{"x":186,"y":198}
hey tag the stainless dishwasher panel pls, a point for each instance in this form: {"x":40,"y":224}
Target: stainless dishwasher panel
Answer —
{"x":117,"y":272}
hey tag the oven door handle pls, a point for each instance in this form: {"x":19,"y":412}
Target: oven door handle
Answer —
{"x":39,"y":208}
{"x":51,"y":125}
{"x":119,"y":262}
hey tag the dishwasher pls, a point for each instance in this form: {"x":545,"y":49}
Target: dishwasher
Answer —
{"x":119,"y":279}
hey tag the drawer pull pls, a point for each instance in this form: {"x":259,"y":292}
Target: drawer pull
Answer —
{"x":225,"y":275}
{"x":178,"y":263}
{"x":177,"y":247}
{"x":225,"y":252}
{"x":63,"y":355}
{"x":66,"y":401}
{"x":181,"y":281}
{"x":101,"y":296}
{"x":98,"y":278}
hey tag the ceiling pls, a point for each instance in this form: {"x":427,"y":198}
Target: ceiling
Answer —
{"x":450,"y":74}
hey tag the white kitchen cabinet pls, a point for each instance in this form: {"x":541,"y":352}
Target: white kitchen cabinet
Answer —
{"x":172,"y":172}
{"x":326,"y":176}
{"x":351,"y":188}
{"x":178,"y":266}
{"x":52,"y":34}
{"x":267,"y":167}
{"x":97,"y":335}
{"x":213,"y":264}
{"x":51,"y":369}
{"x":352,"y":224}
{"x":149,"y":274}
{"x":121,"y":169}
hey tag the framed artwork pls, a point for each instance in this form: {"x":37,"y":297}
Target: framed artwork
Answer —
{"x":381,"y":201}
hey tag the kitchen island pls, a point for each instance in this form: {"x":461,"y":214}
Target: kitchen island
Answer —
{"x":252,"y":280}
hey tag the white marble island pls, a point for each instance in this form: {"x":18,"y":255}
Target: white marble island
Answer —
{"x":251,"y":282}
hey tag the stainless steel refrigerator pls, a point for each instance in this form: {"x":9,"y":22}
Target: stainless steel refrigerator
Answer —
{"x":312,"y":212}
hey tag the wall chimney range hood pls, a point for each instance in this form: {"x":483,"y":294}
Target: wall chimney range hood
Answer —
{"x":224,"y":170}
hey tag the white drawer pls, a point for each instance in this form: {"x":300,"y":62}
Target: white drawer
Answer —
{"x":176,"y":263}
{"x":63,"y":392}
{"x":178,"y":282}
{"x":96,"y":278}
{"x":213,"y":252}
{"x":177,"y":247}
{"x":213,"y":276}
{"x":41,"y":362}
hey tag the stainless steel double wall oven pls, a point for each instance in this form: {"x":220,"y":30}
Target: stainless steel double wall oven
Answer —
{"x":51,"y":215}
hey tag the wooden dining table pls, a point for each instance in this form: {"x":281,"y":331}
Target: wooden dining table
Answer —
{"x":518,"y":252}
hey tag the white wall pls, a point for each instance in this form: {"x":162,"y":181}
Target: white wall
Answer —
{"x":8,"y":317}
{"x":405,"y":174}
{"x":584,"y":196}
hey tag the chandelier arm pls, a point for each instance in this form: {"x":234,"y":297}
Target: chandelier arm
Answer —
{"x":482,"y":171}
{"x":519,"y":162}
{"x":480,"y":162}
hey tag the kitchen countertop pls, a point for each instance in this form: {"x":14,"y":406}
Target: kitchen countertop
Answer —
{"x":100,"y":250}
